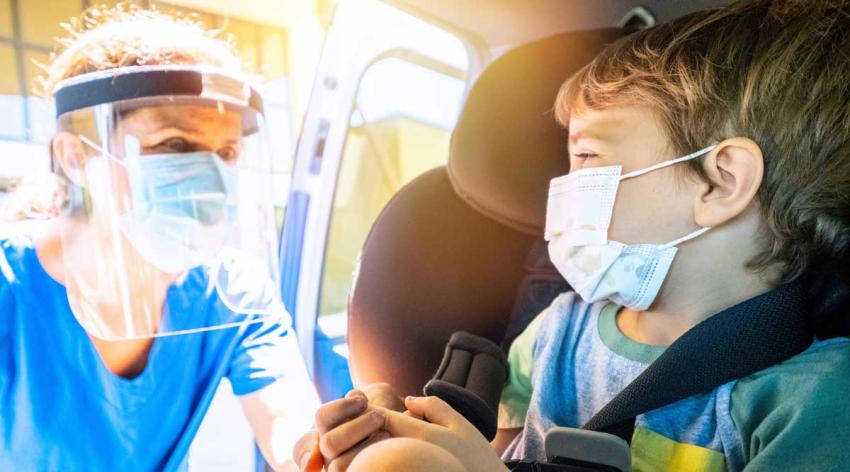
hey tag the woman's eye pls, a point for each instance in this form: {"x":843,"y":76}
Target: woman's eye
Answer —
{"x":175,"y":145}
{"x":585,"y":155}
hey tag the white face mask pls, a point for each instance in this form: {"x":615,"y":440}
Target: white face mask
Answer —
{"x":578,"y":216}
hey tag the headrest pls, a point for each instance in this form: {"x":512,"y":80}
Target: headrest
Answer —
{"x":431,"y":266}
{"x":507,"y":146}
{"x":448,"y":252}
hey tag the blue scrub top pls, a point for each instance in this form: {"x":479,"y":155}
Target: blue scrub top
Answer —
{"x":62,"y":409}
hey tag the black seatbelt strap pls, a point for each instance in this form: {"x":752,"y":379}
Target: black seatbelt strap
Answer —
{"x":732,"y":344}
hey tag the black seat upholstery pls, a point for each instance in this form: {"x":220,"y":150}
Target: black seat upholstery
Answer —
{"x":431,"y":266}
{"x":460,"y":248}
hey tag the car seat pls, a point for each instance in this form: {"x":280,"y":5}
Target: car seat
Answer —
{"x":460,"y":247}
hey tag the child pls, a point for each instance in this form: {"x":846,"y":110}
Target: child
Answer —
{"x":710,"y":164}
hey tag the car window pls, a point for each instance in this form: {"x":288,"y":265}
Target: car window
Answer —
{"x":400,"y":127}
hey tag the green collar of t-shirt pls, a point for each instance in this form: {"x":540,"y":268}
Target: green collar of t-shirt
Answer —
{"x":619,"y":343}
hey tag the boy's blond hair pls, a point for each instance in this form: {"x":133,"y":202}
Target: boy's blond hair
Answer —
{"x":777,"y":72}
{"x":126,"y":35}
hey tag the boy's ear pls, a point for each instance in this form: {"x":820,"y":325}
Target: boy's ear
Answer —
{"x":735,"y":168}
{"x":69,"y":153}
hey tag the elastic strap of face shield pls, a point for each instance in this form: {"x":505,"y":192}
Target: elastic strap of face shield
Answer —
{"x":116,"y":85}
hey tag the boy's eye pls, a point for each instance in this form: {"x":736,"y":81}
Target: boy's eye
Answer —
{"x":585,"y":155}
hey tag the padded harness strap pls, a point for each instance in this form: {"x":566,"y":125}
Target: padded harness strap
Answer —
{"x":732,"y":344}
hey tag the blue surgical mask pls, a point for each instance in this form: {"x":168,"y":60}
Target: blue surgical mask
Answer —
{"x":182,"y":209}
{"x":196,"y":185}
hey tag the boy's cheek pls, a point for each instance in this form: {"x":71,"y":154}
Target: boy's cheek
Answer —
{"x":651,"y":210}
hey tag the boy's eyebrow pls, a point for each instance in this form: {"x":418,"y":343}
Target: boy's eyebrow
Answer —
{"x":585,"y":134}
{"x":604,"y":128}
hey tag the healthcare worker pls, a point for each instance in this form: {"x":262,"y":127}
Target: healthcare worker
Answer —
{"x":156,"y":278}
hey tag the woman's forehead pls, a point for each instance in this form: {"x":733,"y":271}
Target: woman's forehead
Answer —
{"x":193,"y":119}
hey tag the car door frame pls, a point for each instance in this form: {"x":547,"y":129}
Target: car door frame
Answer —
{"x":319,"y":153}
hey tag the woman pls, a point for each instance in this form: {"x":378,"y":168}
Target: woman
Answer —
{"x":152,"y":282}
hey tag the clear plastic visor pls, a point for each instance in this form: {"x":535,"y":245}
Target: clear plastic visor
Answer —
{"x":169,"y":228}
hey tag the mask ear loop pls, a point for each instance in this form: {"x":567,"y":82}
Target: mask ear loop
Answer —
{"x":669,"y":163}
{"x":98,"y":148}
{"x":664,"y":164}
{"x":687,"y":238}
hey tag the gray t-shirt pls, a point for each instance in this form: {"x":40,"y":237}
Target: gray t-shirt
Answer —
{"x":573,"y":359}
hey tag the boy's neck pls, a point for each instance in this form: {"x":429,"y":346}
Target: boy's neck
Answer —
{"x":692,"y":293}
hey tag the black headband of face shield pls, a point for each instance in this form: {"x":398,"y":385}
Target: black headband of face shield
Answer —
{"x":128,"y":85}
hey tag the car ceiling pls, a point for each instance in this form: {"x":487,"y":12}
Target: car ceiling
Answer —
{"x":499,"y":24}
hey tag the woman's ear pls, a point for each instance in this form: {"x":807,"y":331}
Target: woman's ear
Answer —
{"x":69,"y":154}
{"x":735,"y":168}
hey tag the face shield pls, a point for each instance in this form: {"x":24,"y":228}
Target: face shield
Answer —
{"x":169,"y":227}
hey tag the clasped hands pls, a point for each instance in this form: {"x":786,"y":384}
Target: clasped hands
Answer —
{"x":347,"y":426}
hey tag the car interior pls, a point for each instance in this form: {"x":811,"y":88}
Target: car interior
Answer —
{"x":461,"y":247}
{"x":455,"y":242}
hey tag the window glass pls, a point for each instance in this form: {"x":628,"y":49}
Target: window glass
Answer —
{"x":33,"y":60}
{"x":246,"y":37}
{"x":42,"y":118}
{"x":112,"y":3}
{"x":41,"y":19}
{"x":6,"y":18}
{"x":400,"y":128}
{"x":9,"y":66}
{"x":278,"y":111}
{"x":11,"y":102}
{"x":42,"y":124}
{"x":274,"y":56}
{"x":206,"y":19}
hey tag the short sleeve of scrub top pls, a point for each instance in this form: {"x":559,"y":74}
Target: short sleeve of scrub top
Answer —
{"x":62,"y":409}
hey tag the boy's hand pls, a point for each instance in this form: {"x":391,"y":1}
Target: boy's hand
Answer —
{"x":346,"y":426}
{"x":445,"y":428}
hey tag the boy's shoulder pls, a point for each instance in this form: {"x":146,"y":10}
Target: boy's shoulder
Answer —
{"x":797,"y":413}
{"x":823,"y":368}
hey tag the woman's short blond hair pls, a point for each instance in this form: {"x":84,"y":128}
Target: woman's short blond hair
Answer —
{"x":776,"y":71}
{"x":126,"y":35}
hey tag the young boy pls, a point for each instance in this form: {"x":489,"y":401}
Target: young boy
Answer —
{"x":755,"y":99}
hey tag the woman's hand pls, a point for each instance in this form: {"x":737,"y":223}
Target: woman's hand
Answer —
{"x":382,"y":395}
{"x":445,"y":428}
{"x":346,"y":426}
